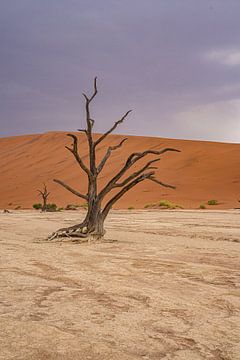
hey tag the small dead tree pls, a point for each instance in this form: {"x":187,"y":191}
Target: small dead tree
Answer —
{"x":44,"y":194}
{"x":93,"y":224}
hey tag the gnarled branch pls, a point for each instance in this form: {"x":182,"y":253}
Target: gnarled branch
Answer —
{"x":74,"y":151}
{"x":90,"y":122}
{"x":94,"y":93}
{"x":69,"y":188}
{"x":44,"y":192}
{"x":137,"y":173}
{"x":115,"y":198}
{"x":111,"y":129}
{"x":132,"y":159}
{"x":152,"y":178}
{"x":108,"y":154}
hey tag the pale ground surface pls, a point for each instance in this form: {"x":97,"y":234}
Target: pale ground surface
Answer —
{"x":168,"y":289}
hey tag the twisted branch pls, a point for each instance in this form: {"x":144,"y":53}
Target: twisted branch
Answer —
{"x":111,"y":202}
{"x":44,"y":193}
{"x":108,"y":154}
{"x":111,"y":129}
{"x":137,"y":173}
{"x":132,"y":159}
{"x":90,"y":122}
{"x":69,"y":188}
{"x":152,"y":178}
{"x":74,"y":151}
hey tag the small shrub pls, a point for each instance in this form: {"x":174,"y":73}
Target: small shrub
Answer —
{"x":202,"y":206}
{"x":130,"y":208}
{"x":18,"y":207}
{"x":212,"y":202}
{"x":71,"y":207}
{"x":84,"y":206}
{"x":168,"y":205}
{"x":37,"y":206}
{"x":60,"y":209}
{"x":51,"y":207}
{"x":147,"y":206}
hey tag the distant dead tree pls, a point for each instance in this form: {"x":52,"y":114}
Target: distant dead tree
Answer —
{"x":93,"y":224}
{"x":44,"y":194}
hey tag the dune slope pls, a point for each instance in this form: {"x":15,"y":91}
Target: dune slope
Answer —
{"x":202,"y":171}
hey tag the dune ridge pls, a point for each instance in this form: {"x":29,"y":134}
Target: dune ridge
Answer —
{"x":202,"y":171}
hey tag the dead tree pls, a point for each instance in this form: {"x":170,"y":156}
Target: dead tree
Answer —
{"x":93,"y":224}
{"x":44,"y":194}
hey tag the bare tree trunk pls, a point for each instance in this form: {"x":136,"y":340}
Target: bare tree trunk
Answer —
{"x":93,"y":224}
{"x":44,"y":207}
{"x":44,"y":194}
{"x":93,"y":220}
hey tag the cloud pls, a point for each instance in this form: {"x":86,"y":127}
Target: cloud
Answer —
{"x":228,"y":89}
{"x":219,"y":121}
{"x":229,"y":57}
{"x":151,"y":56}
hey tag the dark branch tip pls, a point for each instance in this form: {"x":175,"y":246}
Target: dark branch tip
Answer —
{"x":72,"y":136}
{"x":85,"y":96}
{"x":174,"y":150}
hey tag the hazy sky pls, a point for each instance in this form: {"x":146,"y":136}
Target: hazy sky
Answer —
{"x":176,"y":63}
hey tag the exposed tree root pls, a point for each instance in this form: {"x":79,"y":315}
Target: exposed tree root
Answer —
{"x":70,"y":233}
{"x":79,"y":232}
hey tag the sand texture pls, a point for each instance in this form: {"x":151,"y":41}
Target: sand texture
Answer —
{"x":169,"y":288}
{"x":202,"y":171}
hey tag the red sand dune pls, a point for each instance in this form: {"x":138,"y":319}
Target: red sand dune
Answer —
{"x":202,"y":171}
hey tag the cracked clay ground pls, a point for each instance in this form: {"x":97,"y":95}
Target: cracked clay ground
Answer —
{"x":168,"y":288}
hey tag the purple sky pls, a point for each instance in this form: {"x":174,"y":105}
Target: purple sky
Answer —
{"x":176,"y":63}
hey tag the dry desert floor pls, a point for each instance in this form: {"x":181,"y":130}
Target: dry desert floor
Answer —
{"x":168,"y":288}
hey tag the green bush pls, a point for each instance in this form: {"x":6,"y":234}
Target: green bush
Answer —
{"x":18,"y":207}
{"x":130,"y":208}
{"x":212,"y":202}
{"x":51,"y":207}
{"x":147,"y":206}
{"x":71,"y":207}
{"x":37,"y":206}
{"x":76,"y":206}
{"x":164,"y":204}
{"x":60,"y":209}
{"x":202,"y":206}
{"x":84,"y":206}
{"x":168,"y":204}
